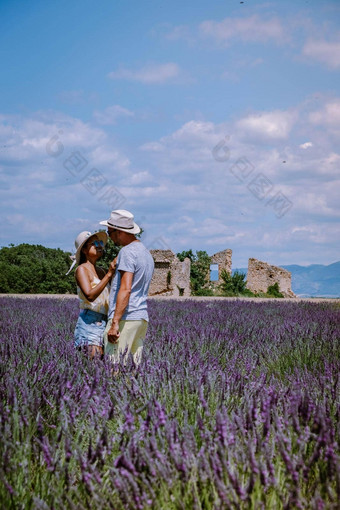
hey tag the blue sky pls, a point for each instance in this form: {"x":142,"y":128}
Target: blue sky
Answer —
{"x":216,"y":123}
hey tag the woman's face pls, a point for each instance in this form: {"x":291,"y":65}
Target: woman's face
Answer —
{"x":93,"y":247}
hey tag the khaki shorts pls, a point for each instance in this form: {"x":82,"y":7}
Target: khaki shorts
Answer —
{"x":131,"y":339}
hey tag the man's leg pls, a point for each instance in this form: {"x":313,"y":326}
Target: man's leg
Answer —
{"x":137,"y":346}
{"x":131,"y":339}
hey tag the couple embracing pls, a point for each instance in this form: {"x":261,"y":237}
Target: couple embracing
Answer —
{"x":113,"y":317}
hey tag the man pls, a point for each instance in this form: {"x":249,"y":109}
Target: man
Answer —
{"x":128,"y":314}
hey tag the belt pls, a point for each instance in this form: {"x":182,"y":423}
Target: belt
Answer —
{"x":100,"y":315}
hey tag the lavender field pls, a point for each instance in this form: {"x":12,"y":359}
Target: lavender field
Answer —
{"x":235,"y":405}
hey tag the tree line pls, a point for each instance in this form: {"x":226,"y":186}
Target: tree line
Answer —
{"x":35,"y":269}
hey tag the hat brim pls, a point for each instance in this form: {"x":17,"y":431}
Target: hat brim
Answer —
{"x":134,"y":230}
{"x":102,"y":236}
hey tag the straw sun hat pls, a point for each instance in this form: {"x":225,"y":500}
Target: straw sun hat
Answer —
{"x":81,"y":239}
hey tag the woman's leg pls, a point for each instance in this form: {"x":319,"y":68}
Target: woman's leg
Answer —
{"x":94,"y":351}
{"x":89,"y":333}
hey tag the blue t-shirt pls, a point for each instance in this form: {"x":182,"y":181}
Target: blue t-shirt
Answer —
{"x":136,"y":259}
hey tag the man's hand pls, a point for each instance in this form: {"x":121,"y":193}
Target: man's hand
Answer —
{"x":113,"y":333}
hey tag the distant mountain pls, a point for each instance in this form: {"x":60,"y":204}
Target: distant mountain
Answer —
{"x":316,"y":280}
{"x":313,"y":281}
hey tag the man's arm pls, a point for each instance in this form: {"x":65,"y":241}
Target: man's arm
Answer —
{"x":123,"y":297}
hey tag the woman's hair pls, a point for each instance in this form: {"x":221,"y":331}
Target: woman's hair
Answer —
{"x":82,"y":257}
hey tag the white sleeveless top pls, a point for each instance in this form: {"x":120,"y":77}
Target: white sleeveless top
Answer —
{"x":100,"y":304}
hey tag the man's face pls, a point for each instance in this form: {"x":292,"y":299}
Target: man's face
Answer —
{"x":113,"y":234}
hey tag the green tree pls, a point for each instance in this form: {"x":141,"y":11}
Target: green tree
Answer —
{"x":35,"y":269}
{"x":186,"y":254}
{"x":110,"y":253}
{"x":199,"y":270}
{"x":234,"y":285}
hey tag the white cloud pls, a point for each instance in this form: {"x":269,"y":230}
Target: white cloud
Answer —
{"x":173,"y":33}
{"x":195,"y":132}
{"x":38,"y":184}
{"x":326,"y":52}
{"x":135,"y":191}
{"x":220,"y":203}
{"x":327,"y":120}
{"x":186,"y":195}
{"x":247,"y":29}
{"x":316,"y":201}
{"x":111,"y":114}
{"x":49,"y":231}
{"x":105,"y":156}
{"x":48,"y":138}
{"x":329,"y":115}
{"x":152,"y":147}
{"x":267,"y":126}
{"x":302,"y":229}
{"x":314,"y":233}
{"x":306,"y":145}
{"x":333,"y":158}
{"x":152,"y":73}
{"x":186,"y":152}
{"x":141,"y":178}
{"x":179,"y":32}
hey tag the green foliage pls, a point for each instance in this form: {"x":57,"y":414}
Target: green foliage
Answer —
{"x":274,"y":291}
{"x":234,"y":285}
{"x":168,"y":278}
{"x":200,"y":266}
{"x":204,"y":292}
{"x":110,"y":253}
{"x":186,"y":254}
{"x":34,"y":269}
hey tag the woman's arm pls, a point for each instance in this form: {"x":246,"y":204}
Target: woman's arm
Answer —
{"x":84,"y":282}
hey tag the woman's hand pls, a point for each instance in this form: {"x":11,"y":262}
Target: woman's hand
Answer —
{"x":112,"y":268}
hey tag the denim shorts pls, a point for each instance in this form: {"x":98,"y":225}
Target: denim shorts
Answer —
{"x":90,"y":328}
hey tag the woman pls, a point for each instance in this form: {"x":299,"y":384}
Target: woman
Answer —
{"x":93,"y":292}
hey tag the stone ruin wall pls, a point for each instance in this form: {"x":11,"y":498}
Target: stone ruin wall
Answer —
{"x":223,"y":259}
{"x":171,"y":277}
{"x":261,"y":275}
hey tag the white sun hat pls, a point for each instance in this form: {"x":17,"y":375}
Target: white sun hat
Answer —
{"x":81,"y":239}
{"x":122,"y":220}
